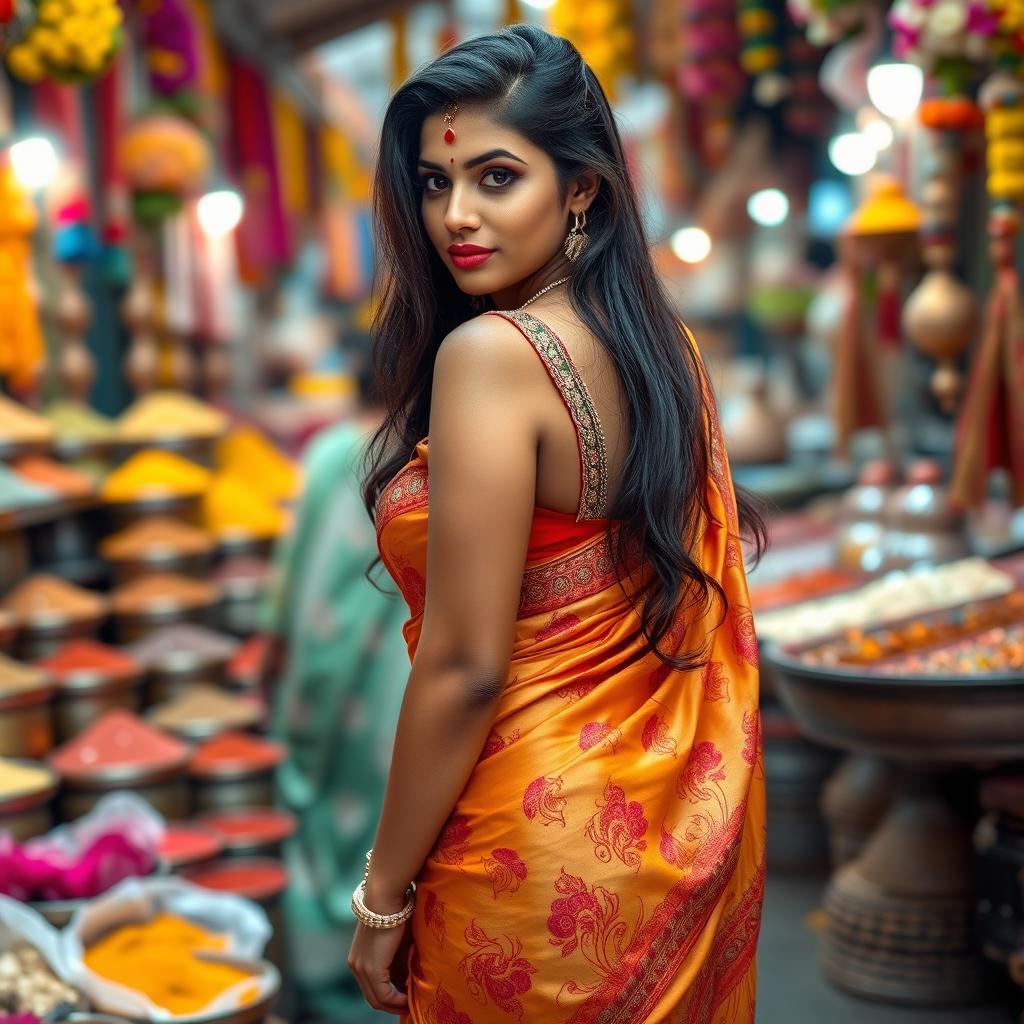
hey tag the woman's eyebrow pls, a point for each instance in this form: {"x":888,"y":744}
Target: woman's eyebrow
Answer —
{"x":469,"y":164}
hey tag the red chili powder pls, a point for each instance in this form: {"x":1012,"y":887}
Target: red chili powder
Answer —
{"x":185,"y":843}
{"x":250,"y":826}
{"x":79,"y":656}
{"x":257,"y":878}
{"x":236,"y":752}
{"x":120,"y":739}
{"x":248,"y":661}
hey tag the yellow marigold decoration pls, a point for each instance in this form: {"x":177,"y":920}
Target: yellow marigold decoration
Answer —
{"x":72,"y":41}
{"x":21,"y":339}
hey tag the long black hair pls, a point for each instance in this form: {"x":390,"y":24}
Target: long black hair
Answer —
{"x":537,"y":84}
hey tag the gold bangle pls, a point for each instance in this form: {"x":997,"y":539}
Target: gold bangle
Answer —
{"x":374,"y":920}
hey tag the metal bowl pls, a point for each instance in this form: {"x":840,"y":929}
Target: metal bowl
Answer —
{"x":924,"y":719}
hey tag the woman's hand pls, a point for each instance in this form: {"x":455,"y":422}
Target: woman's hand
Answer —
{"x":370,"y":960}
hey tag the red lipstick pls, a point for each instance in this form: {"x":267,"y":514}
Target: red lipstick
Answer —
{"x":466,"y":256}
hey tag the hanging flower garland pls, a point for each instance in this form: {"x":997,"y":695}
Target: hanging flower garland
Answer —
{"x":710,"y":74}
{"x":68,"y":41}
{"x":21,"y":338}
{"x":946,"y":38}
{"x":829,"y":21}
{"x":762,"y":56}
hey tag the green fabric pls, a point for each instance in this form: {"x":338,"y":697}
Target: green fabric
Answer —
{"x":336,"y":709}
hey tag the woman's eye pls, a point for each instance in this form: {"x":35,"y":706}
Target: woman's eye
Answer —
{"x":504,"y":179}
{"x":507,"y":176}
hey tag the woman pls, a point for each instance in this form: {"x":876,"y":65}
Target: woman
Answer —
{"x":575,"y":785}
{"x":335,"y":669}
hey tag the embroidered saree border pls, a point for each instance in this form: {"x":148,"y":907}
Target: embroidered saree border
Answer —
{"x":651,"y":963}
{"x":573,"y":389}
{"x":573,"y":577}
{"x":406,"y":491}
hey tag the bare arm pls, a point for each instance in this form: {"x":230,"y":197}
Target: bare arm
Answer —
{"x":484,"y":433}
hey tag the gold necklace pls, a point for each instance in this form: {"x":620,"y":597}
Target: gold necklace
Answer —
{"x":547,"y":288}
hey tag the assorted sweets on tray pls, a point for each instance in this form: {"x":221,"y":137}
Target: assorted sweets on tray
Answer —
{"x":891,"y":598}
{"x":977,"y":638}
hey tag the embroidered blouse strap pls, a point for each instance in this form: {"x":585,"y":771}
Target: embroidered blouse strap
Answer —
{"x":571,"y":386}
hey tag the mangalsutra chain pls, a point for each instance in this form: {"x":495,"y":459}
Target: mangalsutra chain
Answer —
{"x":547,"y":288}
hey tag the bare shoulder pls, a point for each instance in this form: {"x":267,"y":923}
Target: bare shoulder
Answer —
{"x":485,"y":346}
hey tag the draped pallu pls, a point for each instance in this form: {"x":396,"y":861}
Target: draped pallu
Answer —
{"x":605,"y":861}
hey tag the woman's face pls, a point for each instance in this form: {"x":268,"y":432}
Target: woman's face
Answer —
{"x":494,"y":191}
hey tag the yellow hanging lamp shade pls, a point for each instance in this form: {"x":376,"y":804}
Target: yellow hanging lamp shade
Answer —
{"x":886,"y":210}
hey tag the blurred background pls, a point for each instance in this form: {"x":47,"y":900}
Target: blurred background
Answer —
{"x":198,"y":688}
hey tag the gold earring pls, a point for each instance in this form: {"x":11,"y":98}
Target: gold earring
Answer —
{"x":577,"y":238}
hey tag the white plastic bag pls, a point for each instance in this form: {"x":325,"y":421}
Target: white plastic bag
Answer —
{"x":21,"y":925}
{"x":138,"y":899}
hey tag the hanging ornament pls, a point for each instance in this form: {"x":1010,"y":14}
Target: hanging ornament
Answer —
{"x":940,"y":316}
{"x":762,"y":56}
{"x":164,"y":159}
{"x":880,"y":239}
{"x":990,"y":431}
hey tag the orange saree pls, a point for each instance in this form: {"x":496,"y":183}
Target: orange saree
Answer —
{"x":605,"y":861}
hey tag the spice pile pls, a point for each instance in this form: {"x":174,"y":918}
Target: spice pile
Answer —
{"x":27,"y":985}
{"x":19,"y":778}
{"x":157,"y":958}
{"x":170,"y":415}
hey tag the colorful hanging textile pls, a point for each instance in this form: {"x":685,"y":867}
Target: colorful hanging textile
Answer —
{"x":290,"y":132}
{"x":263,"y":237}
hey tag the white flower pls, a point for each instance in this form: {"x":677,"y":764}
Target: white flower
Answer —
{"x":949,"y":18}
{"x":912,"y":14}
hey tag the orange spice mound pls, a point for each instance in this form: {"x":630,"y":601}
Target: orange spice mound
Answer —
{"x":157,"y":958}
{"x":156,"y":534}
{"x":38,"y":469}
{"x":162,"y":589}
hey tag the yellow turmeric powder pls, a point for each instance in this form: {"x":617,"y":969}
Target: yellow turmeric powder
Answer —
{"x":232,"y":506}
{"x":157,"y":959}
{"x":154,"y":473}
{"x":248,"y":453}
